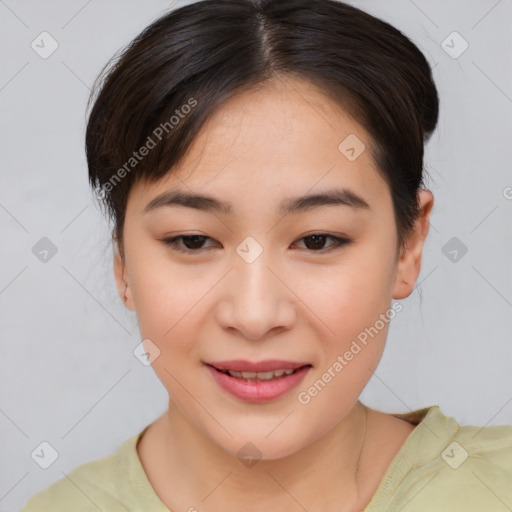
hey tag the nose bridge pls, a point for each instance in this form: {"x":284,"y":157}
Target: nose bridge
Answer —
{"x":254,"y":282}
{"x":257,"y":299}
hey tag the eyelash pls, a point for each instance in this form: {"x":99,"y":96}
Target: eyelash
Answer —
{"x":338,"y":243}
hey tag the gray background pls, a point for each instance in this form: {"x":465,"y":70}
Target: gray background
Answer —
{"x":68,"y":373}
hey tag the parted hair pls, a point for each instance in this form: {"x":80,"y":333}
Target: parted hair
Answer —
{"x":158,"y":91}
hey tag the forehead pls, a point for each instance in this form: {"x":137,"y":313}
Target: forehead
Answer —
{"x":284,"y":138}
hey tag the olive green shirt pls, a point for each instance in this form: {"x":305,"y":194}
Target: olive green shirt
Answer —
{"x":441,"y":467}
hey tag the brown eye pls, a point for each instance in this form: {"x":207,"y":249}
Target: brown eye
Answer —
{"x":192,"y":243}
{"x":313,"y":243}
{"x":316,"y":242}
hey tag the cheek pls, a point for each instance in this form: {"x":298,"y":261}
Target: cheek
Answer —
{"x":166,"y":307}
{"x":349,"y":297}
{"x":163,"y":291}
{"x":171,"y":304}
{"x":355,"y":304}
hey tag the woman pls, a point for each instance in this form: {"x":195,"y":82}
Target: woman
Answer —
{"x":262,"y":162}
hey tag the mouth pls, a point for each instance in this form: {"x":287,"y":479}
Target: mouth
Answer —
{"x":263,"y":370}
{"x":276,"y":379}
{"x":261,"y":376}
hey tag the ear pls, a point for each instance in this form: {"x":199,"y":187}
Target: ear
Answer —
{"x":122,"y":280}
{"x":409,"y":263}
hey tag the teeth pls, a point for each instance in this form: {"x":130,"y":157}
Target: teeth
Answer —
{"x":260,"y":375}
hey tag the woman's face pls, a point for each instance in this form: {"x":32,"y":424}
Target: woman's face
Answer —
{"x":259,"y":286}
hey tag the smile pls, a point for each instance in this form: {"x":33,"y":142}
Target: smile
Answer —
{"x":259,"y":375}
{"x":258,"y":387}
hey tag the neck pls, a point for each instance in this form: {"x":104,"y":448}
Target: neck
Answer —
{"x":321,"y":475}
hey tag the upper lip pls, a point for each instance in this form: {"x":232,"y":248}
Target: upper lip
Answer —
{"x":268,"y":365}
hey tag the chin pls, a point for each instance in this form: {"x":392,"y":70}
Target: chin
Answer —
{"x":258,"y":447}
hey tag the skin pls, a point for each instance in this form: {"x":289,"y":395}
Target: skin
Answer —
{"x":294,"y":302}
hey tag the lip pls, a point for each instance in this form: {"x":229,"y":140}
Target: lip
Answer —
{"x":258,"y":391}
{"x":268,"y":365}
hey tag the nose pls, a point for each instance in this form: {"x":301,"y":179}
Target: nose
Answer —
{"x":256,"y":299}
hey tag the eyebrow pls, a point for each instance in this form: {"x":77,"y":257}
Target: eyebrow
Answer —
{"x":336,"y":197}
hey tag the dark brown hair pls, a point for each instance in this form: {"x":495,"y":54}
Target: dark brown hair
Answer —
{"x":160,"y":90}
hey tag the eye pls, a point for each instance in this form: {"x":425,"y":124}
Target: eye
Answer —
{"x":314,"y":242}
{"x":192,"y":242}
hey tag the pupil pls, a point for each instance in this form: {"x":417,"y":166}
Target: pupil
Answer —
{"x":194,"y":239}
{"x":316,"y":238}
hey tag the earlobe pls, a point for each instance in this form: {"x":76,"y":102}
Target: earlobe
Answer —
{"x":409,"y":264}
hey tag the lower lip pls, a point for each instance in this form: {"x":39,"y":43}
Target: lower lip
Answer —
{"x":258,"y":391}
